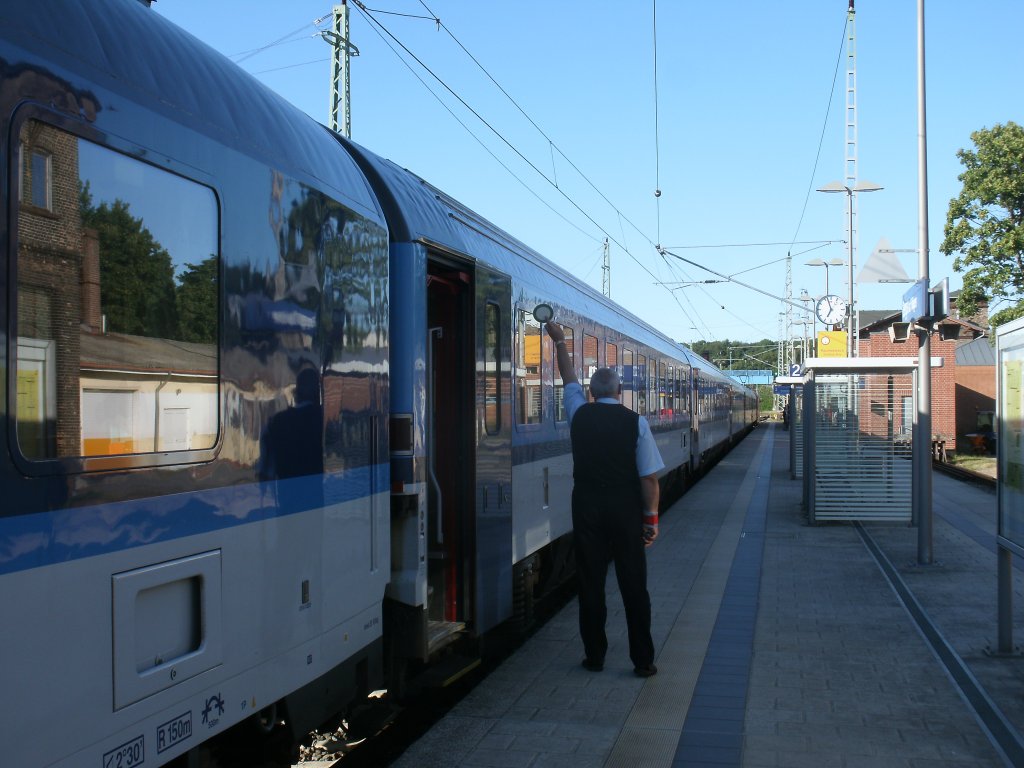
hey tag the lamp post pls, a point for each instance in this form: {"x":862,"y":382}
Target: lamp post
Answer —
{"x":826,"y":265}
{"x":860,"y":186}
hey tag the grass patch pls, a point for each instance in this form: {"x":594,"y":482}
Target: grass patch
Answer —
{"x":983,"y":465}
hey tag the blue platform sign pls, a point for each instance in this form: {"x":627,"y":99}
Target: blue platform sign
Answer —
{"x":750,"y":377}
{"x":915,"y":302}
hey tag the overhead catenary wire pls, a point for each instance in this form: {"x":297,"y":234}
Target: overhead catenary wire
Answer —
{"x":821,"y":138}
{"x":362,"y":8}
{"x":245,"y":55}
{"x":476,"y":138}
{"x":784,"y":300}
{"x":553,"y":146}
{"x":382,"y":30}
{"x":552,"y":179}
{"x":657,"y":141}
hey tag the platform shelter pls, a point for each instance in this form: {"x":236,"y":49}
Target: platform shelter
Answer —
{"x":856,"y":430}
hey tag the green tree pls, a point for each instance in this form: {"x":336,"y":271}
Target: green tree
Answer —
{"x":985,"y":223}
{"x":197,"y":301}
{"x":137,"y":291}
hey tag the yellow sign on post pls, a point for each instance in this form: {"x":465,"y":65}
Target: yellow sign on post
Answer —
{"x":831,"y":343}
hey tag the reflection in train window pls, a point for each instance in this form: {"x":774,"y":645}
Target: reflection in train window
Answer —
{"x":641,"y":385}
{"x":590,"y":363}
{"x":528,"y":369}
{"x":117,"y":286}
{"x":492,"y":368}
{"x":652,"y":383}
{"x":560,"y":414}
{"x":628,"y":396}
{"x":670,"y":390}
{"x":35,"y":185}
{"x":611,"y":357}
{"x":662,"y":402}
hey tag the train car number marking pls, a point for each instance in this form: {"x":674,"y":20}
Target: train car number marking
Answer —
{"x":128,"y":755}
{"x":174,"y":731}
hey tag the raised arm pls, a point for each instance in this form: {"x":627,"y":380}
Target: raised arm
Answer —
{"x":562,"y":354}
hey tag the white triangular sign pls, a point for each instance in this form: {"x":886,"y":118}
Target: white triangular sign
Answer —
{"x":883,"y":266}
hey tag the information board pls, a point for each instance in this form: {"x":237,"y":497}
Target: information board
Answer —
{"x":915,"y":301}
{"x":831,"y":343}
{"x":1010,"y":433}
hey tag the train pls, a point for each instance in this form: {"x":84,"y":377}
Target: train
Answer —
{"x":280,"y":426}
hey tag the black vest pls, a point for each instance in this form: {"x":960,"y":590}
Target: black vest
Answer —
{"x":604,"y":438}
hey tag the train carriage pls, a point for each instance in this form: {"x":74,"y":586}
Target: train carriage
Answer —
{"x":279,"y":425}
{"x":180,"y":247}
{"x":485,"y":469}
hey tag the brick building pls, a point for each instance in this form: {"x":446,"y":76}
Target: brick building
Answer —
{"x":951,"y":398}
{"x":975,"y":391}
{"x":50,"y":241}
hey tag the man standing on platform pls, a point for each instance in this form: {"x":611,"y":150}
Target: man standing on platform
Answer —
{"x":614,"y":507}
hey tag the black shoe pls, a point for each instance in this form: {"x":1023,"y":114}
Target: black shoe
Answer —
{"x":647,"y":670}
{"x":593,"y":666}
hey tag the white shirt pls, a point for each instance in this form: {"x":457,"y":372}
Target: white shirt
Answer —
{"x":648,"y":458}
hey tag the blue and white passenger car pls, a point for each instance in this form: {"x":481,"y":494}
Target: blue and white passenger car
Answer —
{"x":278,"y":424}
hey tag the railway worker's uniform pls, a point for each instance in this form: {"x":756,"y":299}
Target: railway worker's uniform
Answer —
{"x":614,"y":513}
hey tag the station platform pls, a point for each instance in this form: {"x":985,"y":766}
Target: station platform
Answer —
{"x":779,"y":644}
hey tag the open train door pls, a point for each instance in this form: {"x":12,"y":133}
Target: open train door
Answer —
{"x":469,"y":461}
{"x":450,"y":450}
{"x":494,"y":449}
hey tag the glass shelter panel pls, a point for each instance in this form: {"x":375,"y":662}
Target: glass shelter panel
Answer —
{"x":862,"y":455}
{"x":1010,"y":436}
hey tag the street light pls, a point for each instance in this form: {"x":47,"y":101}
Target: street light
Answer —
{"x":860,"y":186}
{"x":826,"y":265}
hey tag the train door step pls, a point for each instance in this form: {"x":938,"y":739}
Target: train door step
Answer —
{"x":441,"y":633}
{"x":448,"y":670}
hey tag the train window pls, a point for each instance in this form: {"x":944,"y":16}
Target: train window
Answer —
{"x":652,"y":386}
{"x":528,"y":368}
{"x":674,"y":404}
{"x":663,"y":403}
{"x":590,"y":362}
{"x":611,"y":357}
{"x":560,"y":414}
{"x":670,"y":390}
{"x":492,"y":368}
{"x":641,"y":385}
{"x":117,"y":285}
{"x":35,"y":183}
{"x":628,"y":395}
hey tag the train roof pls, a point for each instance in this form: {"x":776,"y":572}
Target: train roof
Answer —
{"x":129,"y":50}
{"x":417,"y":211}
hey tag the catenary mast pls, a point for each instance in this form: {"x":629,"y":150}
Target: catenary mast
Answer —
{"x":851,"y":160}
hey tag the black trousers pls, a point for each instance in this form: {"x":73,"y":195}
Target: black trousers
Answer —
{"x":607,"y":531}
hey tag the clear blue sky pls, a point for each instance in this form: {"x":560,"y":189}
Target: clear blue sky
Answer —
{"x":743,"y":91}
